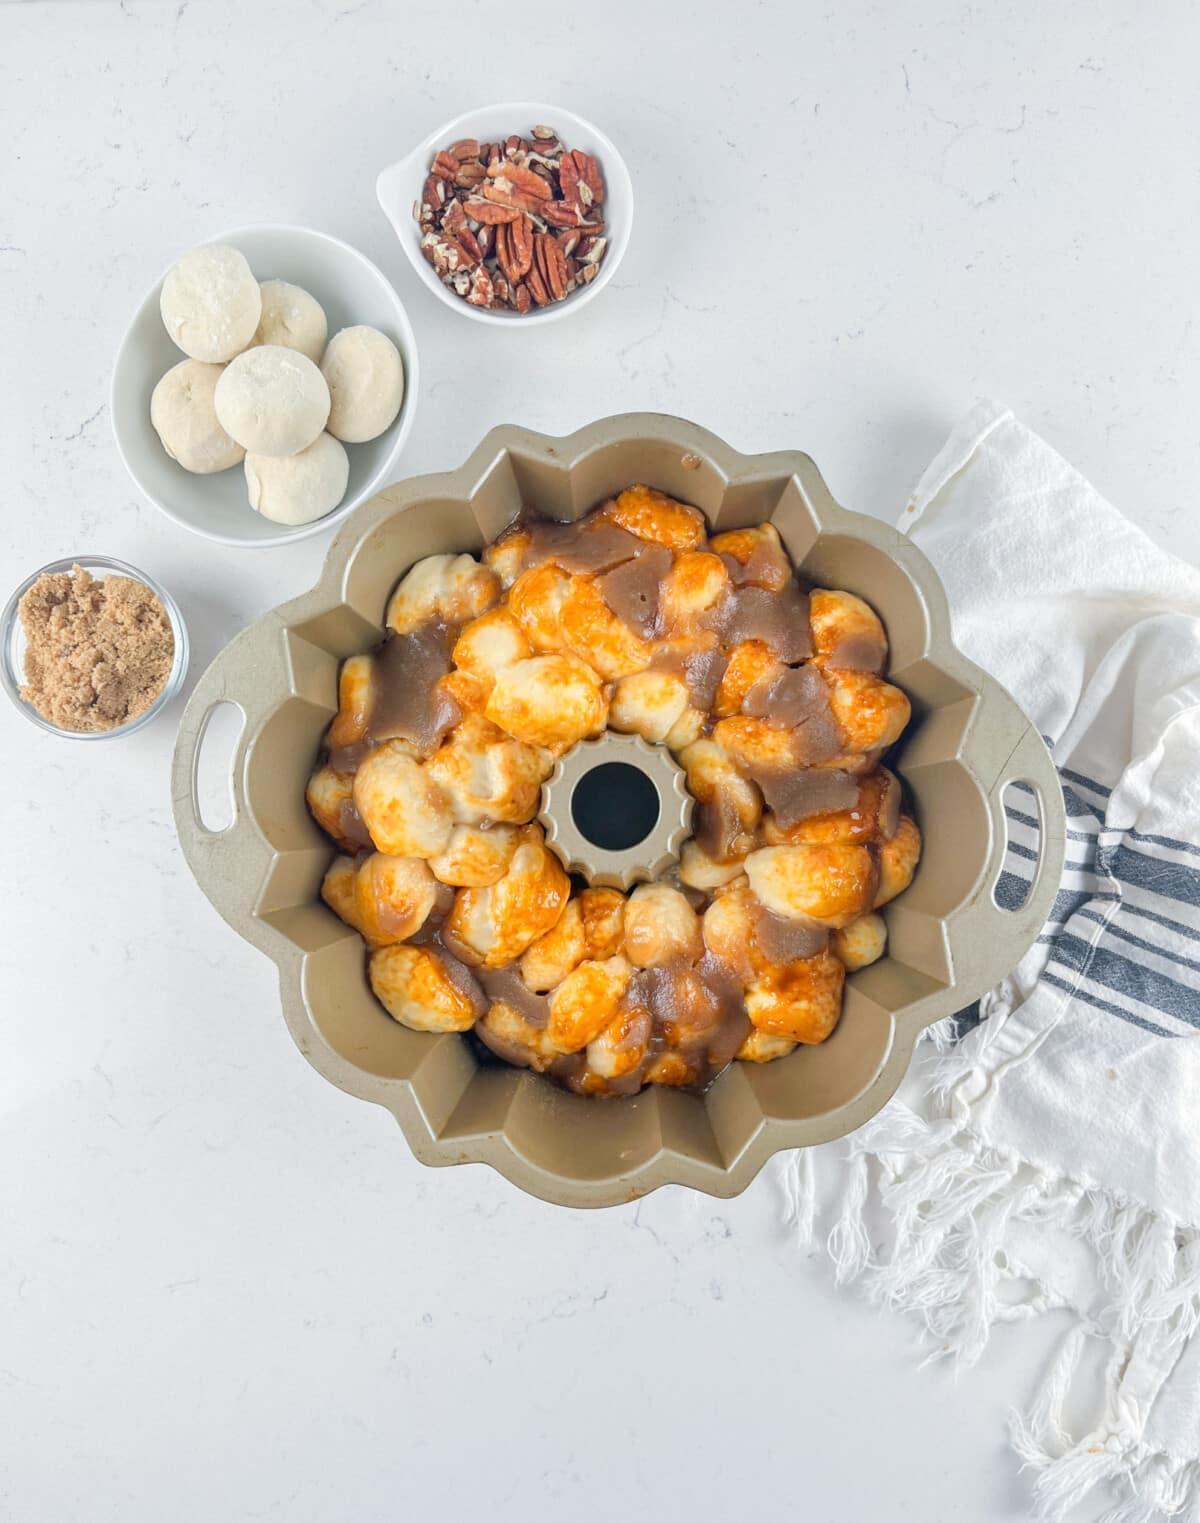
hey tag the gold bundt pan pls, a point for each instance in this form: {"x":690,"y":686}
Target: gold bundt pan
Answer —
{"x":948,"y":940}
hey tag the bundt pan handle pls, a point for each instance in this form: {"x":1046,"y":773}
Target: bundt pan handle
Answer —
{"x":949,"y":938}
{"x":248,"y":674}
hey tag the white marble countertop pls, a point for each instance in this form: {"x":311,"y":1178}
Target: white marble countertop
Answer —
{"x":226,"y":1288}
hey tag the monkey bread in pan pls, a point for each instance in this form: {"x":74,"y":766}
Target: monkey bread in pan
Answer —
{"x":764,"y":870}
{"x":632,"y":618}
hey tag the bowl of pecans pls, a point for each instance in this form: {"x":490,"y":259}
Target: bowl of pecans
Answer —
{"x":516,"y":212}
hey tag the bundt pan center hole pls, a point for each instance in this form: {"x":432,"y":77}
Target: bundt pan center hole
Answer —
{"x":615,"y":806}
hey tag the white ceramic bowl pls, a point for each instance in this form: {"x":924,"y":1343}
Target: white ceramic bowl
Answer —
{"x":351,"y":290}
{"x":400,"y":185}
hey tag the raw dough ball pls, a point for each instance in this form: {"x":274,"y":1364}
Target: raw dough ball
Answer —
{"x":295,"y":489}
{"x":291,"y":318}
{"x":184,"y":418}
{"x":211,"y":303}
{"x":273,"y":400}
{"x":366,"y":383}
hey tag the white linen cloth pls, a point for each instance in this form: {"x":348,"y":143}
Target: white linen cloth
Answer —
{"x":1050,"y":1156}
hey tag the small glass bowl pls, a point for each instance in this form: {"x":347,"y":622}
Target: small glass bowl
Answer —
{"x":12,"y":662}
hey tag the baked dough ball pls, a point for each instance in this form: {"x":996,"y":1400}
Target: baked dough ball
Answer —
{"x":487,"y":775}
{"x":552,"y":701}
{"x":694,"y":586}
{"x":535,"y":600}
{"x":414,"y":985}
{"x":660,"y":925}
{"x":870,"y":713}
{"x":403,"y":808}
{"x":386,"y":899}
{"x":872,"y":817}
{"x":365,"y":375}
{"x":860,"y":943}
{"x":330,"y":798}
{"x":757,"y":746}
{"x":898,"y":860}
{"x":516,"y":1040}
{"x":657,"y":706}
{"x":354,"y":701}
{"x":499,"y":922}
{"x":827,"y":884}
{"x":698,"y":870}
{"x":730,"y":804}
{"x":652,"y":515}
{"x":758,"y":556}
{"x":728,"y":930}
{"x":586,"y":1002}
{"x":273,"y":400}
{"x":337,"y":890}
{"x":800,"y":1001}
{"x":211,"y":304}
{"x":591,"y":925}
{"x":621,"y":1046}
{"x":393,"y":897}
{"x":846,"y":632}
{"x":750,"y":662}
{"x":597,"y":635}
{"x":441,"y":589}
{"x":473,"y":857}
{"x":762,"y":1047}
{"x":297,"y":489}
{"x":185,"y":420}
{"x":291,"y":318}
{"x":489,"y":645}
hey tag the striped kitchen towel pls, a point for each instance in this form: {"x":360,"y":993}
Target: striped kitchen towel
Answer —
{"x":1045,"y":1151}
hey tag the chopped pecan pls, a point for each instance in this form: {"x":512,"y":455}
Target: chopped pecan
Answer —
{"x":521,"y":298}
{"x":512,"y":147}
{"x":568,"y":241}
{"x":455,"y":218}
{"x":481,"y":288}
{"x":469,"y":242}
{"x":433,"y":192}
{"x":486,"y":236}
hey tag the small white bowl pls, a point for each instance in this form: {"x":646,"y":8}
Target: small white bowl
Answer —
{"x":352,"y":290}
{"x":399,"y":186}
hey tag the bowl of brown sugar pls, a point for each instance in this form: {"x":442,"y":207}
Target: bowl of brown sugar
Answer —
{"x":92,"y":648}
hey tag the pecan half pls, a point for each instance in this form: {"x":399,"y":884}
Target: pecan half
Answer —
{"x":520,"y":179}
{"x":466,"y":148}
{"x":444,"y":166}
{"x":537,"y":287}
{"x":551,"y":264}
{"x":490,"y":211}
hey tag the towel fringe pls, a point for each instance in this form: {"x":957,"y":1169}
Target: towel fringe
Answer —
{"x":951,"y":1202}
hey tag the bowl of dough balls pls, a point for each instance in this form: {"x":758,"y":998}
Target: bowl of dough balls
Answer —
{"x":266,"y":386}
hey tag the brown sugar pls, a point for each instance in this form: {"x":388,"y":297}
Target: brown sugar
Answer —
{"x":98,"y":652}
